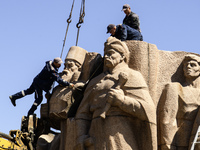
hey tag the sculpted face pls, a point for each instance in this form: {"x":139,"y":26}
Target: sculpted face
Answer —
{"x":70,"y":69}
{"x":191,"y":69}
{"x":112,"y":58}
{"x":70,"y":65}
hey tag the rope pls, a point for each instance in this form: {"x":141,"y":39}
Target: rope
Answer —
{"x":81,"y":19}
{"x":68,"y":21}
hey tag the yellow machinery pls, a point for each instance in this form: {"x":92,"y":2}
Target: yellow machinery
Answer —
{"x":14,"y":143}
{"x":24,"y":139}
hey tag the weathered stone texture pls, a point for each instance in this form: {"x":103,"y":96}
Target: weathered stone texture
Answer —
{"x":159,"y":69}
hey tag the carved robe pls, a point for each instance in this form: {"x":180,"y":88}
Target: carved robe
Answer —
{"x":177,"y":112}
{"x":132,"y":126}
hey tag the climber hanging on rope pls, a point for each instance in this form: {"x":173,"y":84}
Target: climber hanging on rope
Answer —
{"x":42,"y":82}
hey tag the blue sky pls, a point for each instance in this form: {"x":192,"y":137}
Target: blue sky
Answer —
{"x":32,"y":32}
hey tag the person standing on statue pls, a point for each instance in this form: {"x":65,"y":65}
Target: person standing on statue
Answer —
{"x":131,"y":19}
{"x":42,"y":82}
{"x":117,"y":111}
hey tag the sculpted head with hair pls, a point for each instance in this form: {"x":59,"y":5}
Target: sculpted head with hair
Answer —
{"x":122,"y":95}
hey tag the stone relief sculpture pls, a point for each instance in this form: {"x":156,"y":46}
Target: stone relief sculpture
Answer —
{"x":61,"y":112}
{"x":60,"y":101}
{"x":120,"y":100}
{"x":179,"y":106}
{"x":121,"y":94}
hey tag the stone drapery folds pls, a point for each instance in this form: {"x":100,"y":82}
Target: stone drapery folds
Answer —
{"x":151,"y":110}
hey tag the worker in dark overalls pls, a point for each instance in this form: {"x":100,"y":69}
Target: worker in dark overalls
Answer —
{"x":124,"y":32}
{"x":42,"y":82}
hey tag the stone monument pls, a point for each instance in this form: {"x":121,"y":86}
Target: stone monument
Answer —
{"x":179,"y":106}
{"x":131,"y":116}
{"x":141,"y":98}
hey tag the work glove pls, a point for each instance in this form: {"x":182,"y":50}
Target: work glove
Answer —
{"x":71,"y":85}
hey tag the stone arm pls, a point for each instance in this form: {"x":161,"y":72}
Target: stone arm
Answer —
{"x":133,"y":107}
{"x":167,"y":111}
{"x":136,"y":102}
{"x":82,"y":128}
{"x":83,"y":120}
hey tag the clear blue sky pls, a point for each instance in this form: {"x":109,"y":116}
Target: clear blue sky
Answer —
{"x":32,"y":32}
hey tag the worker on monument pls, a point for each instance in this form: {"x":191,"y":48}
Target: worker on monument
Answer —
{"x":124,"y":32}
{"x":117,"y":111}
{"x":64,"y":102}
{"x":179,"y":107}
{"x":131,"y":19}
{"x":42,"y":82}
{"x":60,"y":100}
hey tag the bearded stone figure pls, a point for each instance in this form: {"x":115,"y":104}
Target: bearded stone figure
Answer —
{"x":117,"y":111}
{"x":179,"y":106}
{"x":60,"y":101}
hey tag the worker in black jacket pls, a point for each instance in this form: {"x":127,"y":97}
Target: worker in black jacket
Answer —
{"x":131,"y":19}
{"x":124,"y":32}
{"x":42,"y":82}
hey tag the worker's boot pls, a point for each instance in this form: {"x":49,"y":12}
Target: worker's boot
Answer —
{"x":33,"y":108}
{"x":16,"y":96}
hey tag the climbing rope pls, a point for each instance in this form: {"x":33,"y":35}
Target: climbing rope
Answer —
{"x":68,"y":21}
{"x":81,"y":19}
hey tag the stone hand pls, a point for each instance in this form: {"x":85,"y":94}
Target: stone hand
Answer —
{"x":81,"y":142}
{"x":115,"y":97}
{"x":123,"y":77}
{"x":79,"y":85}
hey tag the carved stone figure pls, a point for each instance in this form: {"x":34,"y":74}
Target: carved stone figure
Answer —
{"x":60,"y":101}
{"x":178,"y":108}
{"x":117,"y":111}
{"x":80,"y":66}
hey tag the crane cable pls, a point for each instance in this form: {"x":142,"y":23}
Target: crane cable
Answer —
{"x":81,"y":19}
{"x":68,"y":21}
